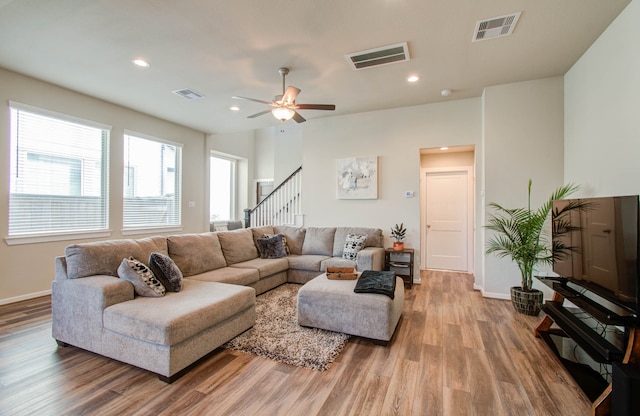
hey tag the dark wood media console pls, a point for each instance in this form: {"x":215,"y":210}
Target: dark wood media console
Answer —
{"x":593,"y":343}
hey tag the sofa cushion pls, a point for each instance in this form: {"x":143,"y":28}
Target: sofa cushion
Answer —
{"x":166,"y":271}
{"x":265,"y":267}
{"x":104,"y":257}
{"x":271,"y":247}
{"x":236,"y":276}
{"x":374,"y":238}
{"x":141,"y":277}
{"x":294,"y":235}
{"x":196,"y":253}
{"x":178,"y":315}
{"x":337,"y":262}
{"x":306,"y":261}
{"x":259,"y":232}
{"x":352,"y":246}
{"x":319,"y":240}
{"x":237,"y":246}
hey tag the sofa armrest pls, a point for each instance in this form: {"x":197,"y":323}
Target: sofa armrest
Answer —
{"x":61,"y":268}
{"x":77,"y":306}
{"x":370,"y":258}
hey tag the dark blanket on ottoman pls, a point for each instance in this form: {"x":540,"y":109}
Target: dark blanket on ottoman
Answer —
{"x":381,"y":282}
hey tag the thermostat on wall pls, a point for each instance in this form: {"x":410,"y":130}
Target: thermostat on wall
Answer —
{"x":408,"y":194}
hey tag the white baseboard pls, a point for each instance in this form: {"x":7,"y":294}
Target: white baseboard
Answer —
{"x":25,"y":297}
{"x":495,"y":295}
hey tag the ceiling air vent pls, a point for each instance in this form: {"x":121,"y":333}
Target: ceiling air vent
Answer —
{"x":495,"y":27}
{"x":379,"y":56}
{"x":188,"y":93}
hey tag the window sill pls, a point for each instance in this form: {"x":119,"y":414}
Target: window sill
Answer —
{"x":47,"y":238}
{"x":151,"y":230}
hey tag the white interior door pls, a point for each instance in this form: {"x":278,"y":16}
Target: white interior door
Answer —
{"x":447,"y":211}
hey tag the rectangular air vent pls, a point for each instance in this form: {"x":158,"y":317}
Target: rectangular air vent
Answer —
{"x":495,"y":27}
{"x":379,"y":56}
{"x":189,"y":94}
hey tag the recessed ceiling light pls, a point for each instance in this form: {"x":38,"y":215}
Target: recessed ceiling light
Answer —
{"x":444,"y":148}
{"x":141,"y":62}
{"x":234,"y":108}
{"x":413,"y":78}
{"x":445,"y":93}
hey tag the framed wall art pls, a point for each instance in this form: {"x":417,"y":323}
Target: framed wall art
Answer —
{"x":357,"y":178}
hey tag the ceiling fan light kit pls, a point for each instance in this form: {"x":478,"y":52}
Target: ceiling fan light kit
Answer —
{"x":283,"y":113}
{"x":285,"y":104}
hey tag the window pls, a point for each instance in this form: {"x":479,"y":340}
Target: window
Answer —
{"x":222,"y":186}
{"x":152,"y":178}
{"x":59,"y":173}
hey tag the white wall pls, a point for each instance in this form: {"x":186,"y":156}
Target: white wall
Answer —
{"x":395,"y":137}
{"x":602,"y":111}
{"x":517,"y":130}
{"x":523,"y":138}
{"x":264,"y":154}
{"x":28,"y":269}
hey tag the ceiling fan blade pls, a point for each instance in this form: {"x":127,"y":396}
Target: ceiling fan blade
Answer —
{"x":298,"y":118}
{"x":259,"y":114}
{"x":330,"y":107}
{"x":290,"y":95}
{"x":253,"y":99}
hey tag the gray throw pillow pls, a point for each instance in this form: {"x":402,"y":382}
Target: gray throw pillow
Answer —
{"x":352,"y":245}
{"x":285,"y":246}
{"x":166,"y":271}
{"x":271,"y":247}
{"x":143,"y":280}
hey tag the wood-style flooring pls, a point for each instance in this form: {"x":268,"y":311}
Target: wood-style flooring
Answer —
{"x":454,"y":353}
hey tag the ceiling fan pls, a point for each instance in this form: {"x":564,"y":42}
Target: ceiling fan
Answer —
{"x":285,"y":105}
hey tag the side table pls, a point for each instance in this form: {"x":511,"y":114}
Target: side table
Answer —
{"x":401,"y":262}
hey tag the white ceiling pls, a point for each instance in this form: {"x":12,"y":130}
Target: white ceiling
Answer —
{"x":226,"y":48}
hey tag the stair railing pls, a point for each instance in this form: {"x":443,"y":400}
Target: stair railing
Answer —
{"x":281,"y":206}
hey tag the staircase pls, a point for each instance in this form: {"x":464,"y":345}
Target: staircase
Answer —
{"x":281,"y":206}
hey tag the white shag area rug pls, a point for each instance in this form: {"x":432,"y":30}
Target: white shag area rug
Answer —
{"x":277,"y":335}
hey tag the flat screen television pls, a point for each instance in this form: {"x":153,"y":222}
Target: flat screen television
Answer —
{"x":605,"y":255}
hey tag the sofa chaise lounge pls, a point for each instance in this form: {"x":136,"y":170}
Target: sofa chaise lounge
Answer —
{"x":223,"y":271}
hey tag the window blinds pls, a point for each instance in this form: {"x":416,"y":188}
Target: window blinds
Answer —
{"x":152,"y":182}
{"x":59,"y":173}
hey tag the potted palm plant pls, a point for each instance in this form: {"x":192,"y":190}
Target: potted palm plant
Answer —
{"x":520,"y":234}
{"x":398,"y":233}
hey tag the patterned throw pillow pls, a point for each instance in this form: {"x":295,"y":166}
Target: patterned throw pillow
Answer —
{"x":143,"y":280}
{"x":166,"y":271}
{"x":271,"y":247}
{"x":285,"y":246}
{"x":352,"y":245}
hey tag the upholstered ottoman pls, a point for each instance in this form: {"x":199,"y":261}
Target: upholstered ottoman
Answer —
{"x":332,"y":305}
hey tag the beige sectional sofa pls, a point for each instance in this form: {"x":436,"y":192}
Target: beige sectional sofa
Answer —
{"x":95,"y":310}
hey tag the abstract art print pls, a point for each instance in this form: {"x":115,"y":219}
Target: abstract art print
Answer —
{"x":357,"y":178}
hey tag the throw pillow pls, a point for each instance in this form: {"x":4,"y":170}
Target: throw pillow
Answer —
{"x":271,"y":247}
{"x":143,"y":280}
{"x":352,"y":245}
{"x":166,"y":271}
{"x":285,"y":246}
{"x":220,"y":228}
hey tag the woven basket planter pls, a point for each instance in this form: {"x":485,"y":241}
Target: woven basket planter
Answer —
{"x":526,"y":302}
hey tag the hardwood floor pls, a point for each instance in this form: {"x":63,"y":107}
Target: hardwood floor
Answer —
{"x":454,"y":353}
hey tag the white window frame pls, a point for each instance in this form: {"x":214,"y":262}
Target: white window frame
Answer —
{"x":153,"y":227}
{"x":72,"y":233}
{"x":233,"y":185}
